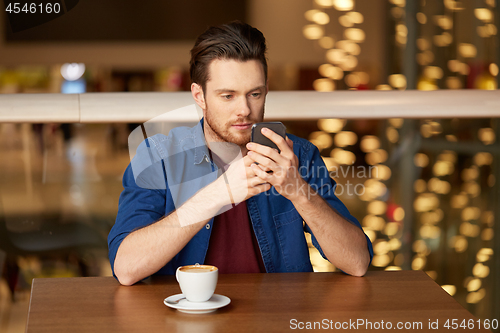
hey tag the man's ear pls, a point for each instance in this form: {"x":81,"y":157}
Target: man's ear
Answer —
{"x":198,"y":95}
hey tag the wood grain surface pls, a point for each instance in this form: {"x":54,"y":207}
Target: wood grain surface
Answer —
{"x":259,"y":303}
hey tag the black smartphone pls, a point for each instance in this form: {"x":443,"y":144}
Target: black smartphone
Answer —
{"x":274,"y":126}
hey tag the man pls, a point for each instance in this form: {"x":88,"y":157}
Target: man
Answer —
{"x":275,"y":196}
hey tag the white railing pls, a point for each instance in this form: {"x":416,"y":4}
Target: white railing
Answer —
{"x":287,"y":105}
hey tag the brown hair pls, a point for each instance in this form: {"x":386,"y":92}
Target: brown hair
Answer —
{"x":235,"y":40}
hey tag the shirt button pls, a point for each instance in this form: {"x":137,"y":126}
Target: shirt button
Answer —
{"x":207,"y":226}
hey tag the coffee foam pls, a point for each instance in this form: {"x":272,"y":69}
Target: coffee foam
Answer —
{"x":198,"y":269}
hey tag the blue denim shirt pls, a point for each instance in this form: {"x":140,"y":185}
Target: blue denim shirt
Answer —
{"x":152,"y":190}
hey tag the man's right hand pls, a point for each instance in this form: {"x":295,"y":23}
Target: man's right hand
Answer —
{"x":241,"y":180}
{"x":238,"y":183}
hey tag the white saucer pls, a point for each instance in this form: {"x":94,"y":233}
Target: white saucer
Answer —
{"x":214,"y":303}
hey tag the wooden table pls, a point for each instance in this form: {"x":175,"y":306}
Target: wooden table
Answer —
{"x":259,"y":303}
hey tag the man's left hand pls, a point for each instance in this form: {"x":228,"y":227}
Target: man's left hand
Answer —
{"x":285,"y":176}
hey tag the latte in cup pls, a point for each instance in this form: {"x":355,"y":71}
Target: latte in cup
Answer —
{"x":197,"y":269}
{"x":197,"y":282}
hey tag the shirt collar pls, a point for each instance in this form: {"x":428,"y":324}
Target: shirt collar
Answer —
{"x":201,"y":149}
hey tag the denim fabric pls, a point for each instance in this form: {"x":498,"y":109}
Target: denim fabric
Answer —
{"x":153,"y":188}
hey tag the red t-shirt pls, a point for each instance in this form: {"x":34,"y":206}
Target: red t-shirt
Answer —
{"x":233,"y":247}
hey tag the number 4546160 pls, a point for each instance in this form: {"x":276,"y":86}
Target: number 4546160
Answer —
{"x":471,"y":324}
{"x":33,"y":8}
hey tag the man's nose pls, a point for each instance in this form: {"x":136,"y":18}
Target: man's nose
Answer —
{"x":244,"y":107}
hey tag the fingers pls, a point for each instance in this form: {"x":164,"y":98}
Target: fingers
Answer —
{"x":255,"y":149}
{"x":243,"y":181}
{"x":285,"y":146}
{"x":247,"y":161}
{"x":259,"y":189}
{"x":256,"y":181}
{"x":263,"y":162}
{"x":261,"y":174}
{"x":282,"y":144}
{"x":257,"y":184}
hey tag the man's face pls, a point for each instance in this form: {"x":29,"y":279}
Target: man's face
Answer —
{"x":234,"y":100}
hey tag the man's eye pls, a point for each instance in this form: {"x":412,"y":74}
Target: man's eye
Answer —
{"x":227,"y":96}
{"x":256,"y":95}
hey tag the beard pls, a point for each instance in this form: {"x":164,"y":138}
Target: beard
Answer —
{"x":222,"y":131}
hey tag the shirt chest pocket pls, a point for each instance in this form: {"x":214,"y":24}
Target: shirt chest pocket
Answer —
{"x":290,"y":230}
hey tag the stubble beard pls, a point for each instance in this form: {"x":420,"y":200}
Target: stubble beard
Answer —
{"x":222,"y":133}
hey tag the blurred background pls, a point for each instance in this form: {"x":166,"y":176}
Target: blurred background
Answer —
{"x":433,"y":205}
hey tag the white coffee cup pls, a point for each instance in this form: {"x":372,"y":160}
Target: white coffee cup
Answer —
{"x":197,"y":282}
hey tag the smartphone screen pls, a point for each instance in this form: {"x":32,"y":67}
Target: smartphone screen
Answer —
{"x":274,"y":126}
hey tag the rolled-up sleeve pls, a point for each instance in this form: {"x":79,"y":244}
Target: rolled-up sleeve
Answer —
{"x":138,"y":207}
{"x":319,"y":179}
